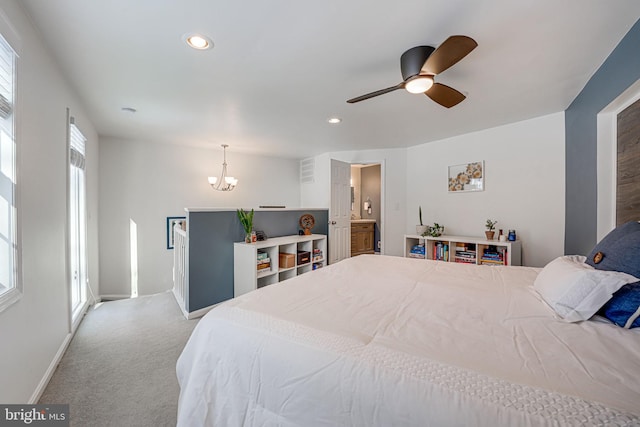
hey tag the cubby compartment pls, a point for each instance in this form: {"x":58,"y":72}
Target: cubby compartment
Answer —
{"x":273,"y":260}
{"x":267,"y":280}
{"x":461,"y":249}
{"x":287,"y":274}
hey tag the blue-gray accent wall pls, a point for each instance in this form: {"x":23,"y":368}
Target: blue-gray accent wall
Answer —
{"x":211,"y":238}
{"x":620,"y":70}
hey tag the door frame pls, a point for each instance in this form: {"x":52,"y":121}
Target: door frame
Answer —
{"x":381,"y":226}
{"x":607,"y":159}
{"x":382,"y":163}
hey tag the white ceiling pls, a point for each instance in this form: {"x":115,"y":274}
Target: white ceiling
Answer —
{"x":280,"y":68}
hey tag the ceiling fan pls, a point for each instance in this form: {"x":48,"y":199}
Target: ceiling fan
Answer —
{"x":419,"y":65}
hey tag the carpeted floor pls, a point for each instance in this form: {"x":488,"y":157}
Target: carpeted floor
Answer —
{"x":119,"y":369}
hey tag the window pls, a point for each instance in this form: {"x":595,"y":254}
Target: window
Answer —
{"x":9,"y":284}
{"x":77,"y":220}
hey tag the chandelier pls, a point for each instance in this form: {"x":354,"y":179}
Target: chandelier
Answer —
{"x":224,"y":183}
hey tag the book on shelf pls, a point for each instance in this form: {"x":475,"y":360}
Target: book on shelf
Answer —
{"x":494,"y":256}
{"x":440,"y":251}
{"x":466,"y":253}
{"x":263,"y":262}
{"x":491,"y":262}
{"x":317,"y":255}
{"x":417,"y":251}
{"x":264,"y":266}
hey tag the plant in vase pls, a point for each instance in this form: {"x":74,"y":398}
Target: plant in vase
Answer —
{"x":490,"y":225}
{"x":421,"y":229}
{"x":246,"y":219}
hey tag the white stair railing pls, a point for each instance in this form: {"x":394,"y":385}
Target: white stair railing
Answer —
{"x":180,"y":269}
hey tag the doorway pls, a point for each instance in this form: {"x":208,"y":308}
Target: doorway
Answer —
{"x":366,"y":208}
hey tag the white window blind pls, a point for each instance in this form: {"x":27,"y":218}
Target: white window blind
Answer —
{"x":77,"y":145}
{"x":8,"y":212}
{"x":7,"y":62}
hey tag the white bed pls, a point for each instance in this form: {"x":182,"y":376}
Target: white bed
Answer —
{"x":387,"y":341}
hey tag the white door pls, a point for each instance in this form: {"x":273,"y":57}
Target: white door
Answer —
{"x":340,"y":213}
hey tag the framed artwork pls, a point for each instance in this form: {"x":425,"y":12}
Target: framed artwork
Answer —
{"x":466,"y":177}
{"x":171,"y":221}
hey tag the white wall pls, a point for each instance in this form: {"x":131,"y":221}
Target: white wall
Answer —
{"x":524,"y":185}
{"x":147,"y":182}
{"x":33,"y":330}
{"x":393,"y":170}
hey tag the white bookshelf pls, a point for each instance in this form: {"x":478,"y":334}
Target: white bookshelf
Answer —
{"x":512,"y":249}
{"x":246,"y":276}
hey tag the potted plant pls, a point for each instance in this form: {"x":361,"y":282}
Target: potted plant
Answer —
{"x":420,"y":229}
{"x":246,"y":219}
{"x":436,"y":230}
{"x":490,"y":225}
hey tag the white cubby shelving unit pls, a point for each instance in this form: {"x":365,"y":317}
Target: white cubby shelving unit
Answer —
{"x":246,"y":276}
{"x":511,"y":250}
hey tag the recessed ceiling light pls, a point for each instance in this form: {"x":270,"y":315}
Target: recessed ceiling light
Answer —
{"x":334,"y":120}
{"x":129,"y":110}
{"x":198,"y":41}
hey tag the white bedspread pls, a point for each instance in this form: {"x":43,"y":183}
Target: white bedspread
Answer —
{"x":386,"y":341}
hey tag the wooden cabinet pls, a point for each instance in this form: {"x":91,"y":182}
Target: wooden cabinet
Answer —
{"x":470,"y":250}
{"x":362,"y":238}
{"x":301,"y":254}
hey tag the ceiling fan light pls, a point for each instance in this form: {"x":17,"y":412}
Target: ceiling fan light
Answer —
{"x":419,"y":84}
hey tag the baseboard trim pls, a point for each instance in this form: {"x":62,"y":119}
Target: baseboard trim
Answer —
{"x":50,"y":370}
{"x":193,"y":314}
{"x":113,"y":297}
{"x":42,"y":385}
{"x":199,"y":313}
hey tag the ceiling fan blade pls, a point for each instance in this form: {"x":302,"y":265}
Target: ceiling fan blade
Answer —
{"x":376,"y":93}
{"x":448,"y":53}
{"x":445,"y":95}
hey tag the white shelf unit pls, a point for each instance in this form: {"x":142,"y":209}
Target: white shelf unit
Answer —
{"x":247,"y":278}
{"x":512,"y":248}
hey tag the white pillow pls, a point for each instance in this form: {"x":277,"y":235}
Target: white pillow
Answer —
{"x":575,"y":290}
